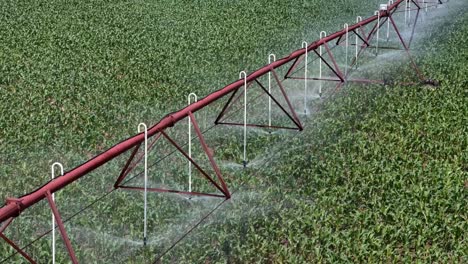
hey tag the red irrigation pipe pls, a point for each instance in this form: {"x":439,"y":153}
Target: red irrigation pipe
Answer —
{"x":14,"y":206}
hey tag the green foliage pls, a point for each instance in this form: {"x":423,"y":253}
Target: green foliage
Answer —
{"x":380,"y":175}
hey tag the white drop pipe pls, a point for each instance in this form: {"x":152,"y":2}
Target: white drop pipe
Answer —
{"x":304,"y":46}
{"x":269,"y":87}
{"x":322,"y":35}
{"x":242,"y":73}
{"x":189,"y":97}
{"x":53,"y":199}
{"x":146,"y":181}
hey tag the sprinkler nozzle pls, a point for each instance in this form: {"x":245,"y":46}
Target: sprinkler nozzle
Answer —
{"x":244,"y":162}
{"x":144,"y":241}
{"x":431,"y":82}
{"x":388,"y":81}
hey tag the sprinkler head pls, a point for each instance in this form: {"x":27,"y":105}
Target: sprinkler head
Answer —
{"x":387,"y":81}
{"x":144,"y":241}
{"x":431,"y":82}
{"x":244,"y":162}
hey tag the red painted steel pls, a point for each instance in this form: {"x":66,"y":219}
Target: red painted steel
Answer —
{"x":6,"y":224}
{"x":291,"y":108}
{"x":61,"y":226}
{"x":230,"y":102}
{"x":292,"y":117}
{"x":172,"y":191}
{"x":18,"y":249}
{"x":179,"y":148}
{"x":128,"y":166}
{"x":210,"y":155}
{"x":125,"y":169}
{"x":223,"y":188}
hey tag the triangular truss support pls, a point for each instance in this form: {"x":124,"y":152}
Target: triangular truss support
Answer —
{"x":220,"y":185}
{"x":291,"y":114}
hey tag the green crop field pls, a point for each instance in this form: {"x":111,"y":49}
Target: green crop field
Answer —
{"x":380,"y":174}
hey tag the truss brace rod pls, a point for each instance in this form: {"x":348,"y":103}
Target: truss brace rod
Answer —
{"x":63,"y":232}
{"x":210,"y":156}
{"x":18,"y":249}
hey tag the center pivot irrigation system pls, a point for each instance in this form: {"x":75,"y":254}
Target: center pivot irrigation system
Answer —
{"x":367,"y":34}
